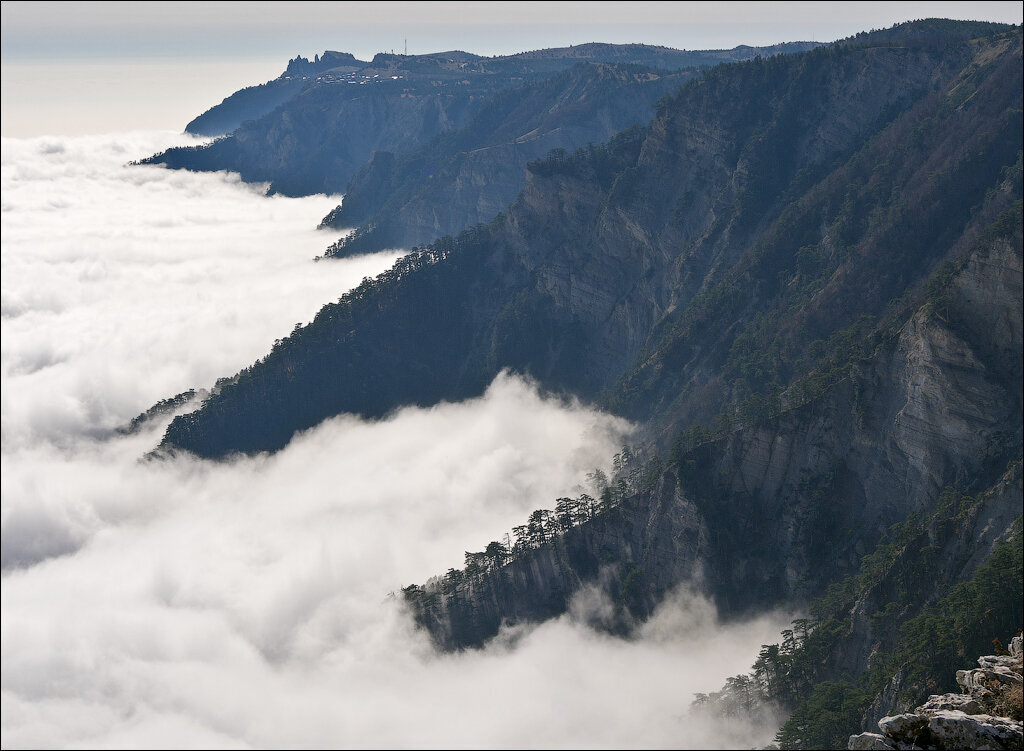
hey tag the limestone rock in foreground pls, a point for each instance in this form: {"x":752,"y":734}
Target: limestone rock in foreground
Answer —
{"x":906,"y":728}
{"x":961,"y":702}
{"x":959,"y":721}
{"x":950,"y":728}
{"x":870,"y":742}
{"x":942,"y":729}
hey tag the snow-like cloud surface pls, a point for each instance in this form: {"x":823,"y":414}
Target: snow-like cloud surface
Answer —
{"x":245,"y":604}
{"x":123,"y":285}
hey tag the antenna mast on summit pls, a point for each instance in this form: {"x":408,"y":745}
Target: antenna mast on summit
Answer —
{"x":406,"y":47}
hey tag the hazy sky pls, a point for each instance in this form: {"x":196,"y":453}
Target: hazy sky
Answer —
{"x":200,"y":29}
{"x":76,"y":68}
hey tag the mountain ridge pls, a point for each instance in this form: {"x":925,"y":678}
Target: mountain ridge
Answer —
{"x":310,"y":129}
{"x":555,"y":186}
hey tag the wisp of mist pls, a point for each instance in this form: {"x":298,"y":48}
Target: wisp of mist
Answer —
{"x":247,"y":603}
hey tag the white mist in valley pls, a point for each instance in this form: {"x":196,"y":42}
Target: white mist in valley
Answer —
{"x":246,"y":603}
{"x":123,"y":285}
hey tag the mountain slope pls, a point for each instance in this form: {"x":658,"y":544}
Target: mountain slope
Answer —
{"x":804,"y":278}
{"x":780,"y":193}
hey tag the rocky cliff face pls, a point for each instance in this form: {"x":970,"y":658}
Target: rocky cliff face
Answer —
{"x":774,"y":512}
{"x":925,"y":411}
{"x":635,"y":552}
{"x":987,"y":714}
{"x":957,"y":549}
{"x":468,"y":176}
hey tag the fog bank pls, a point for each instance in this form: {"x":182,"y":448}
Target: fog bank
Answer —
{"x":241,"y":604}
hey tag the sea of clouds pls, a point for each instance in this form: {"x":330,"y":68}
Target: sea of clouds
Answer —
{"x":246,"y":603}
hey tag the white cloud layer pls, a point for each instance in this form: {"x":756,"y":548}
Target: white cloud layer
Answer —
{"x":182,"y":603}
{"x":124,"y":285}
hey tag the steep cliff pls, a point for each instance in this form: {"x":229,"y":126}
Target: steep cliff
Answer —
{"x":937,"y":608}
{"x":467,"y":176}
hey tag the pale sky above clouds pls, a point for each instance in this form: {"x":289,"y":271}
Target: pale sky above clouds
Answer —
{"x":219,"y":29}
{"x":78,"y":68}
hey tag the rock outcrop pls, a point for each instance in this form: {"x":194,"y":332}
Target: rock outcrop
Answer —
{"x":974,"y":719}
